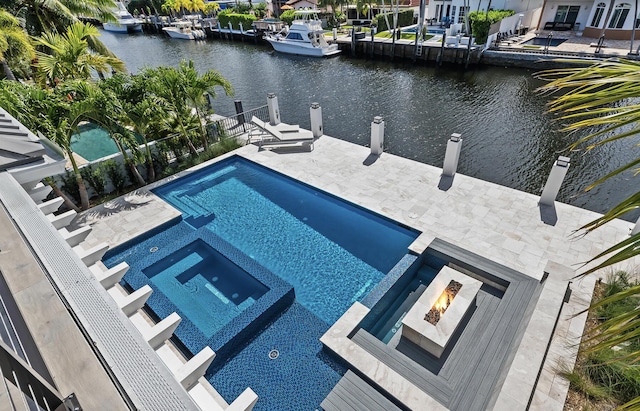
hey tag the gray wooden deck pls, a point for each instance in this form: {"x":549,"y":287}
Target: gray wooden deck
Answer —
{"x":352,"y":393}
{"x":473,"y":367}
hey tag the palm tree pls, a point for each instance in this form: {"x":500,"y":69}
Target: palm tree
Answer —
{"x":14,"y":42}
{"x":197,"y":86}
{"x":69,"y":56}
{"x":604,"y":96}
{"x":45,"y":16}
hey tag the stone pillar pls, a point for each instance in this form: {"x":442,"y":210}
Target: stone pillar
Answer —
{"x":316,"y":119}
{"x":377,"y":135}
{"x":552,"y":187}
{"x":451,"y":155}
{"x":274,"y":110}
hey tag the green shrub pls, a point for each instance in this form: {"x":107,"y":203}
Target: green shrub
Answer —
{"x":287,"y":16}
{"x":70,"y":185}
{"x":405,"y":18}
{"x":621,"y":379}
{"x":95,"y":177}
{"x":481,"y":22}
{"x":117,"y":177}
{"x":616,"y":283}
{"x":236,"y":18}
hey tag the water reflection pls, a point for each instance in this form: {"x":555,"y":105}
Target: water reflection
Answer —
{"x":508,"y":137}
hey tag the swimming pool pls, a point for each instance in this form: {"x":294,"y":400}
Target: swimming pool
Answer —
{"x":542,"y":41}
{"x":93,"y":142}
{"x":331,"y":252}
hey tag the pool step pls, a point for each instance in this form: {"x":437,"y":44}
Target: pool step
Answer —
{"x":400,"y":312}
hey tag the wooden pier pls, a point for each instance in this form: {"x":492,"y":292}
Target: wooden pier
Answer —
{"x":454,"y":51}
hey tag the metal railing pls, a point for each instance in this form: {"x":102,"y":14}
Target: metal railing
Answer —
{"x":36,"y":394}
{"x":237,"y":124}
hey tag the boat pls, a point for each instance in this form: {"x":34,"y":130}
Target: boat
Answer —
{"x":125,"y":22}
{"x":305,"y":37}
{"x":184,"y":30}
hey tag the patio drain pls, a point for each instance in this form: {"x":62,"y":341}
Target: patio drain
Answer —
{"x":153,"y":249}
{"x":273,"y":354}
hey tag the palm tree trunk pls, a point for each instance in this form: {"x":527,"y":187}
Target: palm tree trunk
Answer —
{"x":151,"y":171}
{"x":130,"y":164}
{"x":203,"y":133}
{"x":192,"y":149}
{"x":84,"y":197}
{"x":7,"y":71}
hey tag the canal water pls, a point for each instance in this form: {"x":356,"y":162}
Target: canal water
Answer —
{"x":509,"y":139}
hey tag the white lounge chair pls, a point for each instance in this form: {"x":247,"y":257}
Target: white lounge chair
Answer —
{"x":280,"y":135}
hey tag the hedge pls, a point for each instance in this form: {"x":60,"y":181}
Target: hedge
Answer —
{"x":405,"y":18}
{"x":235,"y":19}
{"x":481,"y":22}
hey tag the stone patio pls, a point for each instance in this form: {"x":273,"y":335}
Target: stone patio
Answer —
{"x":498,"y":223}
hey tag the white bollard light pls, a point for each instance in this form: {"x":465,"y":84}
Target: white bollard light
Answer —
{"x":552,"y":187}
{"x":377,"y":135}
{"x":636,"y":228}
{"x":452,"y":155}
{"x":316,"y":119}
{"x":274,"y":110}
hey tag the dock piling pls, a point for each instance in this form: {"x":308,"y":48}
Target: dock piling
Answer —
{"x":316,"y":119}
{"x":452,"y":155}
{"x":556,"y":176}
{"x":377,"y":136}
{"x":274,"y":110}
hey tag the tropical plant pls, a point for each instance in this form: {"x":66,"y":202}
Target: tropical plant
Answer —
{"x":211,"y":8}
{"x":481,"y":22}
{"x":288,"y":16}
{"x":603,"y":97}
{"x":45,"y":16}
{"x":182,"y":90}
{"x":14,"y":43}
{"x":68,"y":55}
{"x":197,"y":87}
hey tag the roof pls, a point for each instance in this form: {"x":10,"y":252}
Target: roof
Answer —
{"x":314,"y":2}
{"x":18,"y":145}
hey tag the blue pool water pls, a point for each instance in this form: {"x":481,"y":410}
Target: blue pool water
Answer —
{"x":333,"y":254}
{"x":199,"y":280}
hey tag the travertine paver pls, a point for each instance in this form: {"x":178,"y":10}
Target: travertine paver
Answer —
{"x":124,"y":218}
{"x":498,"y":223}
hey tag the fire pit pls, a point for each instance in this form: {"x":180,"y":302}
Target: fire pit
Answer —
{"x":435,"y":317}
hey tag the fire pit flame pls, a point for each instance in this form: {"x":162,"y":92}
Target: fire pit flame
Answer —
{"x":443,"y":302}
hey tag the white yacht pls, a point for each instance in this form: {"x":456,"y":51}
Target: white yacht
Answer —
{"x":184,"y":30}
{"x":305,"y":37}
{"x":125,"y":22}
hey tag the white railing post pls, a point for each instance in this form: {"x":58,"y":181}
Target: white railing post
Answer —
{"x":377,"y":136}
{"x":452,"y":155}
{"x":316,"y":119}
{"x":274,"y":110}
{"x":556,"y":176}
